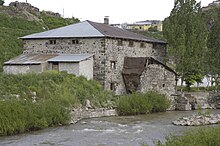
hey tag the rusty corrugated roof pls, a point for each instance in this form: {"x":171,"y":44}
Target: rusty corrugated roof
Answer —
{"x":31,"y":59}
{"x":26,"y":59}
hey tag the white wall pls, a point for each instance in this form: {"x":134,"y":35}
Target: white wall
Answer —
{"x":86,"y":68}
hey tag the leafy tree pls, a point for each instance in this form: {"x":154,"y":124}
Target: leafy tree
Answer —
{"x":2,"y":2}
{"x":186,"y":34}
{"x":153,"y":29}
{"x":213,"y":52}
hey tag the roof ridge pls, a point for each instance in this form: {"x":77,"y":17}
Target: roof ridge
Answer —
{"x":90,"y":22}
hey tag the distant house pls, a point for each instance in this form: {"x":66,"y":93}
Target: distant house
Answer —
{"x":110,"y":47}
{"x":145,"y":25}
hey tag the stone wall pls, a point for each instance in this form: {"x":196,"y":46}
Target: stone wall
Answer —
{"x":191,"y":100}
{"x":105,"y":50}
{"x":117,"y":54}
{"x":157,"y":78}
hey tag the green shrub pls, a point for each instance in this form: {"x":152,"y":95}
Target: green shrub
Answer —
{"x":135,"y":104}
{"x":20,"y":116}
{"x":199,"y":137}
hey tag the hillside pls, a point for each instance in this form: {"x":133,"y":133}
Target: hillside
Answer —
{"x":15,"y":23}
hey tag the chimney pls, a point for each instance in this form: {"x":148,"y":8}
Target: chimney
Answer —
{"x":106,"y":20}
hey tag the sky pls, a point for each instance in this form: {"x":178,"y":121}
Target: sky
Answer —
{"x":119,"y":11}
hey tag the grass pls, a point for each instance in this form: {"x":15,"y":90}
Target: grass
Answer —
{"x":209,"y":136}
{"x":56,"y":94}
{"x":135,"y":104}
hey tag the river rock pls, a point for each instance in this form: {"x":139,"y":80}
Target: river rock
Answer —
{"x":197,"y":120}
{"x":88,"y":104}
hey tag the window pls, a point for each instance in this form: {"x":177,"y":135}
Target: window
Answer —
{"x":112,"y":86}
{"x":131,"y":44}
{"x":154,"y":45}
{"x":53,"y":42}
{"x":163,"y":85}
{"x":55,"y":66}
{"x":120,"y":43}
{"x":113,"y":65}
{"x":142,"y":45}
{"x":75,"y":42}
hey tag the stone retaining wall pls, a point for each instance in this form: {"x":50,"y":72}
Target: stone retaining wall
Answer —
{"x":80,"y":114}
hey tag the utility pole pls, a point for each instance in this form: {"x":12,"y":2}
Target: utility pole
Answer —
{"x":26,"y":1}
{"x":63,"y":12}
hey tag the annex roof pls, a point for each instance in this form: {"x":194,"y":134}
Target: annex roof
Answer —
{"x":89,"y":29}
{"x":70,"y":58}
{"x":29,"y":59}
{"x":35,"y":59}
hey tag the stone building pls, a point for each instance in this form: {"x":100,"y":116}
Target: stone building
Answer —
{"x":110,"y":47}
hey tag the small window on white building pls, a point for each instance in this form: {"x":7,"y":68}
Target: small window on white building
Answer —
{"x":53,"y":42}
{"x":55,"y":66}
{"x":113,"y":64}
{"x":75,"y":42}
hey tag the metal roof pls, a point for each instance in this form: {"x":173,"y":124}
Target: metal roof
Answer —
{"x":29,"y":59}
{"x":87,"y":29}
{"x":81,"y":29}
{"x":70,"y":58}
{"x":35,"y":59}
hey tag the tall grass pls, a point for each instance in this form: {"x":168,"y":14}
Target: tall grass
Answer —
{"x":20,"y":116}
{"x":199,"y":137}
{"x":56,"y":94}
{"x":135,"y":104}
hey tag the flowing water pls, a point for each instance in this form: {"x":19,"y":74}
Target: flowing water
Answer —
{"x":106,"y":131}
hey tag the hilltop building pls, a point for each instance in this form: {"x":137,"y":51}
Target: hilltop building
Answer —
{"x":120,"y":60}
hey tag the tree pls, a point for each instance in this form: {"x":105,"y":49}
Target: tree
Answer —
{"x":213,"y":52}
{"x":2,"y":2}
{"x":186,"y":34}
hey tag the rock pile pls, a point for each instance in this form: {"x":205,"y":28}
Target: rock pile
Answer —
{"x":197,"y":120}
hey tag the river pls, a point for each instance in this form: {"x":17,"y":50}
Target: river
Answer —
{"x":106,"y":131}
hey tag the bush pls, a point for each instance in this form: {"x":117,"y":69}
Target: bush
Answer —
{"x":20,"y":116}
{"x":135,"y":104}
{"x":199,"y":137}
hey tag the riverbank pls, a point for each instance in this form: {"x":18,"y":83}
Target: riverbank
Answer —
{"x":108,"y":131}
{"x":85,"y":113}
{"x":198,"y":120}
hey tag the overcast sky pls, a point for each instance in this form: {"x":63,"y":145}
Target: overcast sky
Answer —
{"x":119,"y":11}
